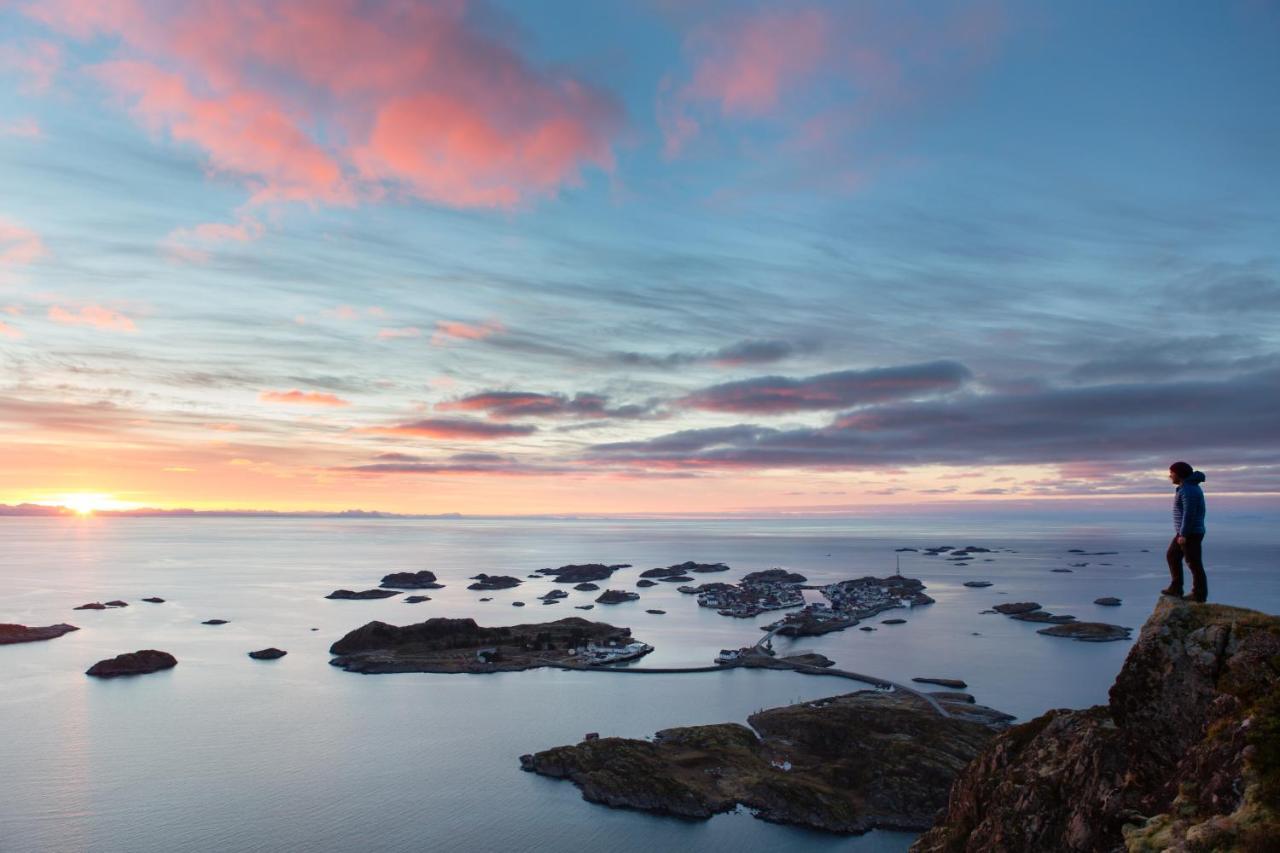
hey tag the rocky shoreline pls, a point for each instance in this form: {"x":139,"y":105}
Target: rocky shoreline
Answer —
{"x":460,"y":645}
{"x":847,"y":764}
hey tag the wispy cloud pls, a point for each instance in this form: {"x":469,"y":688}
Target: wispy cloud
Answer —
{"x":18,"y":244}
{"x":839,"y":390}
{"x":455,"y":428}
{"x":24,"y":128}
{"x":504,"y":405}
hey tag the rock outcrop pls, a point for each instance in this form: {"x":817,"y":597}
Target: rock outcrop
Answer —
{"x":10,"y":633}
{"x":271,"y":653}
{"x":846,"y":764}
{"x":133,"y":663}
{"x":1184,"y":757}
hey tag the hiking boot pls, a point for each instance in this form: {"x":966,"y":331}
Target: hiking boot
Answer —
{"x":1197,"y":596}
{"x":1171,"y":591}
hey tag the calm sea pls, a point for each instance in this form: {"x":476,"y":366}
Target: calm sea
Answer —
{"x":225,"y":753}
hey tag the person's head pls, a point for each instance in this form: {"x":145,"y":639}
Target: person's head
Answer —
{"x":1178,"y":472}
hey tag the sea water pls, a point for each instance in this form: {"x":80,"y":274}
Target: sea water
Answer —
{"x":226,"y":753}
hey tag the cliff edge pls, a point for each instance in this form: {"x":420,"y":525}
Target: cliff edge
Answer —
{"x":1184,"y":757}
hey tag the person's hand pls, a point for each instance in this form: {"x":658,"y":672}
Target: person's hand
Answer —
{"x":1182,"y":540}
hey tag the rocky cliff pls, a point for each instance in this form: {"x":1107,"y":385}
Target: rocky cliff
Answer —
{"x":1184,"y":757}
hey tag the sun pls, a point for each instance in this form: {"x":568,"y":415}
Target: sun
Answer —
{"x":87,"y":503}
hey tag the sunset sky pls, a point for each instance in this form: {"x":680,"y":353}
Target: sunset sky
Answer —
{"x":607,"y":257}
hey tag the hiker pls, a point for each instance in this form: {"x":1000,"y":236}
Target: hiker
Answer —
{"x":1188,"y":532}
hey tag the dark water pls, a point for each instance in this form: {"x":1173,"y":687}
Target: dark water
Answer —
{"x":231,"y":754}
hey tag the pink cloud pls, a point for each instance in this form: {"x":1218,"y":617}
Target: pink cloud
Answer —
{"x":820,"y":75}
{"x":24,"y":128}
{"x":18,"y":244}
{"x":36,"y":62}
{"x":393,"y":334}
{"x":446,"y":330}
{"x":335,"y":101}
{"x":7,"y":331}
{"x":744,"y":64}
{"x":92,"y":315}
{"x":302,"y":398}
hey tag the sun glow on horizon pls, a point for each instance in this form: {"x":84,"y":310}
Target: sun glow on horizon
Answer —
{"x":87,"y":503}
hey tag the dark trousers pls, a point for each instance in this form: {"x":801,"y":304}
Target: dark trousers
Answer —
{"x":1191,"y":553}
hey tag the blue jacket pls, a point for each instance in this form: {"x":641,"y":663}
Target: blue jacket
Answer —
{"x":1188,"y":506}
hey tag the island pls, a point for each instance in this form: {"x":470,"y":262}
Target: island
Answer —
{"x":363,"y":595}
{"x":773,"y":589}
{"x":492,"y":582}
{"x":581,"y":573}
{"x":133,"y":663}
{"x":10,"y":633}
{"x":411,"y":580}
{"x":849,"y":602}
{"x":847,"y":764}
{"x":460,"y":645}
{"x":616,"y":596}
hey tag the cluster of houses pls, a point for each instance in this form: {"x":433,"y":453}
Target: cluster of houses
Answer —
{"x":750,"y":598}
{"x":860,"y":599}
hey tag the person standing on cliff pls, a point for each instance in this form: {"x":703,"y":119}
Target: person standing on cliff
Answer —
{"x":1188,"y":532}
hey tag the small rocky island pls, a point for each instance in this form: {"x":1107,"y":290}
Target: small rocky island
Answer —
{"x":10,"y":633}
{"x":363,"y":595}
{"x":846,"y":764}
{"x":133,"y":663}
{"x":1184,"y":757}
{"x":460,"y":645}
{"x":616,"y":596}
{"x":492,"y":582}
{"x":581,"y":573}
{"x":411,"y":580}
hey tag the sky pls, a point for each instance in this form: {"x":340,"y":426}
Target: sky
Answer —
{"x":636,"y":257}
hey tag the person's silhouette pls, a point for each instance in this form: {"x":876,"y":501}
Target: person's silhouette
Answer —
{"x":1188,"y":532}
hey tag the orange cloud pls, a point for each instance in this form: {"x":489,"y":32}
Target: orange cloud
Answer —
{"x":92,"y":315}
{"x":302,"y":398}
{"x":333,"y":101}
{"x":7,"y":331}
{"x":18,"y":245}
{"x":446,"y":330}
